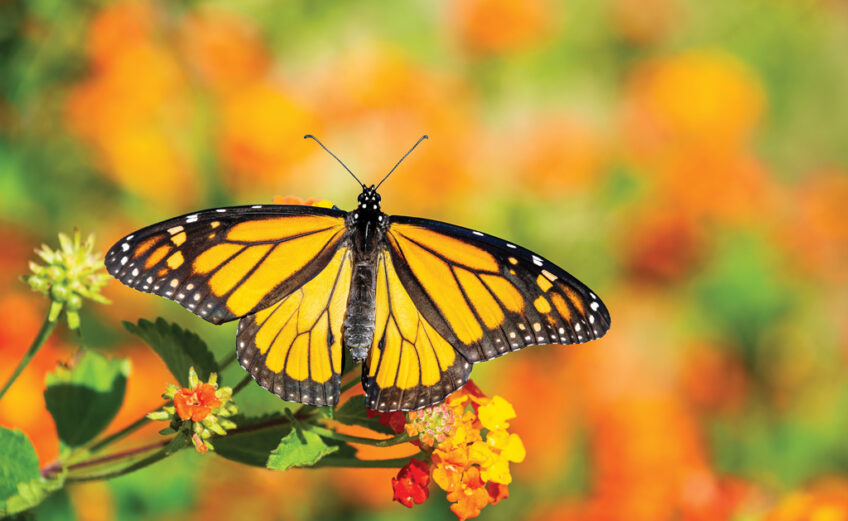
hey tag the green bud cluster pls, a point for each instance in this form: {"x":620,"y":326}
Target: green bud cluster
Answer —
{"x":71,"y":273}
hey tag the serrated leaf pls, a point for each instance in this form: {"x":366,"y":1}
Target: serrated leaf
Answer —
{"x":178,"y":348}
{"x":252,"y":447}
{"x":353,"y":412}
{"x":299,"y":448}
{"x":85,"y":398}
{"x":18,"y":461}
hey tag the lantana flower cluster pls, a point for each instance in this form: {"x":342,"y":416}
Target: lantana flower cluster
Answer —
{"x":470,"y":449}
{"x":202,"y":403}
{"x":71,"y":273}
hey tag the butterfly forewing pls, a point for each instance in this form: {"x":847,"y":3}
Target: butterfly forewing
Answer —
{"x":491,"y":295}
{"x":448,"y":297}
{"x":293,"y":348}
{"x":225,"y":263}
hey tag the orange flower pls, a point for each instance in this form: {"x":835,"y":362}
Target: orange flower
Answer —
{"x":702,"y":97}
{"x":472,"y":447}
{"x":494,"y":26}
{"x":197,"y":403}
{"x":293,"y":199}
{"x":470,"y":497}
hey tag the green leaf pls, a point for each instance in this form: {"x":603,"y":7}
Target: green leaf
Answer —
{"x":31,"y":493}
{"x":18,"y":462}
{"x":352,"y":412}
{"x":178,"y":348}
{"x":85,"y":398}
{"x":253,"y":446}
{"x":299,"y":448}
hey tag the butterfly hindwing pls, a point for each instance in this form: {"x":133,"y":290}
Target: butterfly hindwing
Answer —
{"x":225,"y":263}
{"x":293,"y":348}
{"x":410,"y":364}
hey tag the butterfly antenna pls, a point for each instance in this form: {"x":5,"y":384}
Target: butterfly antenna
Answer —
{"x":310,"y":136}
{"x":422,"y":138}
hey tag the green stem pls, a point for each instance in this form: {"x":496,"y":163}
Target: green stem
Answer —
{"x":56,"y":468}
{"x":129,"y":429}
{"x":223,"y":364}
{"x":176,"y":444}
{"x":386,"y":442}
{"x":393,"y":463}
{"x":242,"y":384}
{"x":43,"y":333}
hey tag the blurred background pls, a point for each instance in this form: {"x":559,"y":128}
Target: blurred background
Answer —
{"x":687,"y":160}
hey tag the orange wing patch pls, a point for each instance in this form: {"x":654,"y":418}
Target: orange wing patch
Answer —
{"x":486,"y":296}
{"x":293,"y":348}
{"x":225,"y":263}
{"x":410,"y":364}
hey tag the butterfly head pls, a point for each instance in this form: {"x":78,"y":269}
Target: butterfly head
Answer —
{"x":369,"y":199}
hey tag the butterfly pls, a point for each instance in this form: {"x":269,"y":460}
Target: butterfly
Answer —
{"x":417,"y":302}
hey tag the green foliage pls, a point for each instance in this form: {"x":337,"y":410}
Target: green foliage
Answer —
{"x":85,"y":398}
{"x":299,"y":448}
{"x":31,"y":493}
{"x":351,"y":413}
{"x":252,"y":445}
{"x":179,"y":349}
{"x":745,"y":289}
{"x":18,"y":461}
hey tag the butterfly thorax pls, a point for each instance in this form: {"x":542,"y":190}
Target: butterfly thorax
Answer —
{"x":367,"y":225}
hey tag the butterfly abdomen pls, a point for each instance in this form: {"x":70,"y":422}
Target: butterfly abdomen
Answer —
{"x":358,"y":329}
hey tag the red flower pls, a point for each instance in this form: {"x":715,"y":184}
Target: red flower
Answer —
{"x":395,"y":420}
{"x":196,"y":404}
{"x":412,"y":483}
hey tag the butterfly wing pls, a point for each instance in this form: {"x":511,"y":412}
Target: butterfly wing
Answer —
{"x":226,"y":263}
{"x":480,"y":295}
{"x":410,"y":364}
{"x":293,"y":348}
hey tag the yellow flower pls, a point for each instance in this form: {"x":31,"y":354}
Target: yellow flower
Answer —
{"x":496,"y":414}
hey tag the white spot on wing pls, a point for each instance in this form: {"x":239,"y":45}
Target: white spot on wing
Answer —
{"x":124,"y":260}
{"x":475,"y":232}
{"x":256,"y":206}
{"x":594,"y":306}
{"x":191,"y":218}
{"x":221,"y":210}
{"x":510,"y":245}
{"x":125,"y":247}
{"x":537,"y":261}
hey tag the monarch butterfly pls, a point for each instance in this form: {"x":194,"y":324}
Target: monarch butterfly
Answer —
{"x":416,"y":301}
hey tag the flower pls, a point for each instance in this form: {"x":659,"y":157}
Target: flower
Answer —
{"x":432,"y":425}
{"x":203,"y":404}
{"x":196,"y":404}
{"x":412,"y":483}
{"x":72,"y":272}
{"x":470,"y":448}
{"x":311,"y":201}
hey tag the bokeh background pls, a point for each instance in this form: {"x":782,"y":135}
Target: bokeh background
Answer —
{"x":686,"y":159}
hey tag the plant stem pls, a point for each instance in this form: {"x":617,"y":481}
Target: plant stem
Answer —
{"x":392,"y":463}
{"x":56,"y":467}
{"x":242,"y":384}
{"x":112,"y":438}
{"x":43,"y":333}
{"x":386,"y":442}
{"x":172,"y":446}
{"x":223,"y":364}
